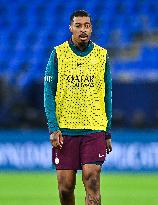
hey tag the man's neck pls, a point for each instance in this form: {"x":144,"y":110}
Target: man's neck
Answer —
{"x":81,"y":46}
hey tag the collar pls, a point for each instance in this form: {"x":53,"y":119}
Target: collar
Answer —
{"x":77,"y":51}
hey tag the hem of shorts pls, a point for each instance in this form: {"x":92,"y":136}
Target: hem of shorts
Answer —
{"x":96,"y":162}
{"x":68,"y":169}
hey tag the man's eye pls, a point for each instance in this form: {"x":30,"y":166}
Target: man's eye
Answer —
{"x":87,"y":26}
{"x":77,"y":26}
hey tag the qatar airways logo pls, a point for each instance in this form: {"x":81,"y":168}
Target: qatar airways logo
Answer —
{"x":81,"y":80}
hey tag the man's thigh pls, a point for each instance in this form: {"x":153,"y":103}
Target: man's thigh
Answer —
{"x":91,"y":177}
{"x":66,"y":179}
{"x":90,"y":169}
{"x":93,"y":148}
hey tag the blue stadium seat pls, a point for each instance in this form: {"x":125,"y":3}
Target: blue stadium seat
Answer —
{"x":28,"y":30}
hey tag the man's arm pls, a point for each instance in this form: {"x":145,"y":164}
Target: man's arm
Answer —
{"x":108,"y":97}
{"x":50,"y":86}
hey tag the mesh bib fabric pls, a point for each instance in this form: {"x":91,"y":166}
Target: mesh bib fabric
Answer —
{"x":81,"y":89}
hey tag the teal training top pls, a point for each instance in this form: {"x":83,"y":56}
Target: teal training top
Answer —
{"x":50,"y":87}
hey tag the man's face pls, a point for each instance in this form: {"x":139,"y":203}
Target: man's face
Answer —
{"x":81,"y":29}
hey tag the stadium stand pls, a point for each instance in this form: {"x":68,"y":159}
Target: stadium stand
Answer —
{"x":29,"y":31}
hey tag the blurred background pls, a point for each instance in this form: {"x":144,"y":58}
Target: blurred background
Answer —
{"x":28,"y":32}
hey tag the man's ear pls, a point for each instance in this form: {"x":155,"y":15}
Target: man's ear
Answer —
{"x":70,"y":28}
{"x":91,"y":28}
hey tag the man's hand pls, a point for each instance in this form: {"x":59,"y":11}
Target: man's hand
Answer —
{"x":108,"y":146}
{"x":56,"y":139}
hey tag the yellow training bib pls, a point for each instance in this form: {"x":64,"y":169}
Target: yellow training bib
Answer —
{"x":81,"y":89}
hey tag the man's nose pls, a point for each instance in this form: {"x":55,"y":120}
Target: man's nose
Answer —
{"x":83,"y":29}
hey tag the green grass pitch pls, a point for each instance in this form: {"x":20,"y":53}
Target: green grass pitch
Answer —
{"x":41,"y":189}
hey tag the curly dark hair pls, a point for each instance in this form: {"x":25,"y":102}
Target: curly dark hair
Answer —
{"x":79,"y":13}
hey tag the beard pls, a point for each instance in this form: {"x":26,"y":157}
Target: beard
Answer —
{"x":83,"y":44}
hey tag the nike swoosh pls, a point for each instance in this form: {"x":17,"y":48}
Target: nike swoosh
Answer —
{"x":78,"y":64}
{"x":101,"y":155}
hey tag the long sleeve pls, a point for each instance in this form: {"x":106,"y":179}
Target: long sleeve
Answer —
{"x":50,"y":86}
{"x":108,"y":95}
